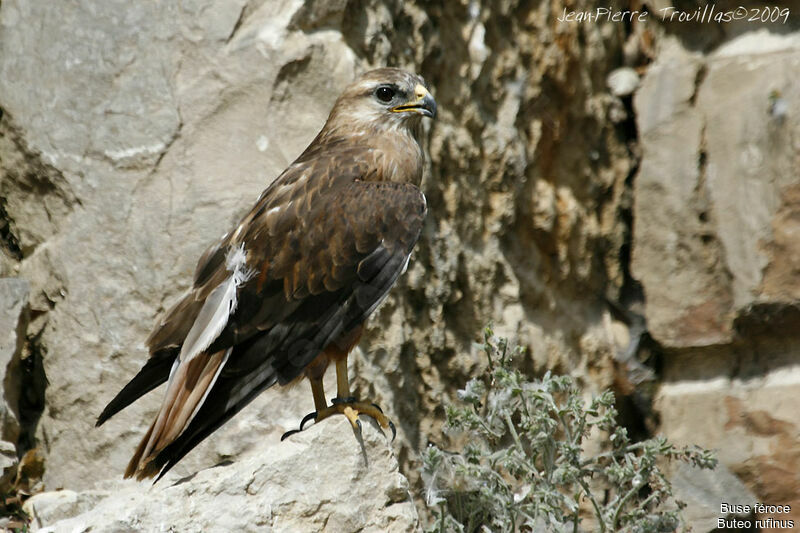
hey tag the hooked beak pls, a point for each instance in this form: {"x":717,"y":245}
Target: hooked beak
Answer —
{"x":422,"y":103}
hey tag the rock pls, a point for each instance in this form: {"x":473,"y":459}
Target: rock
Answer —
{"x":720,"y":169}
{"x":716,"y":209}
{"x":685,"y":282}
{"x":704,"y":490}
{"x":323,"y":479}
{"x":623,"y":81}
{"x":13,"y":321}
{"x":49,"y":507}
{"x":30,"y":473}
{"x":749,"y":419}
{"x":8,"y":465}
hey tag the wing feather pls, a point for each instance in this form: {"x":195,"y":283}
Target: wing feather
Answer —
{"x":217,"y":308}
{"x":188,"y":387}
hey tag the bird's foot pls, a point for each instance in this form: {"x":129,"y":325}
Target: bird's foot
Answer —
{"x":350,"y":408}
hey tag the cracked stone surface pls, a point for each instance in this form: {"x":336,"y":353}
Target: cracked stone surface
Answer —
{"x":717,"y":209}
{"x":723,"y":164}
{"x":325,"y":479}
{"x":152,"y":128}
{"x":13,"y":323}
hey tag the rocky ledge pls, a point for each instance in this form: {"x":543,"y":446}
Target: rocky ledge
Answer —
{"x":324,"y":479}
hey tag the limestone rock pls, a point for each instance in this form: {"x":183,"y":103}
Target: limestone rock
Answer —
{"x":323,"y":479}
{"x":134,"y":135}
{"x":623,"y":81}
{"x":715,"y":247}
{"x":717,"y":194}
{"x":8,"y":465}
{"x":50,"y":507}
{"x":749,"y":417}
{"x":704,"y":490}
{"x":13,"y":321}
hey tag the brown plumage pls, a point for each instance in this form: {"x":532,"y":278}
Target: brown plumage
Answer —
{"x":287,"y":291}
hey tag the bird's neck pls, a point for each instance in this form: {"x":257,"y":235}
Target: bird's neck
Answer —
{"x":394,"y":153}
{"x":398,"y":155}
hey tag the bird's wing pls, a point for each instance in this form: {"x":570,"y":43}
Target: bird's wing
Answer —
{"x":314,"y":257}
{"x":173,"y":326}
{"x":330,"y":259}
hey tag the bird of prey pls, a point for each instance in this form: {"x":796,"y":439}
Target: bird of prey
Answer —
{"x":286,"y":292}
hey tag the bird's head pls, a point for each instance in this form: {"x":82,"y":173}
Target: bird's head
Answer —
{"x":385,"y":98}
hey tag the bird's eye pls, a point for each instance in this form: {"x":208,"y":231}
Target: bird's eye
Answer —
{"x":384,"y":93}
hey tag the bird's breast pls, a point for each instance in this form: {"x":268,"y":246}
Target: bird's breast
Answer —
{"x":399,"y":158}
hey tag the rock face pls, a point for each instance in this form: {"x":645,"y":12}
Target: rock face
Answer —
{"x":724,"y":164}
{"x":13,"y":322}
{"x":324,"y":479}
{"x":717,"y":215}
{"x":704,"y":490}
{"x":134,"y":134}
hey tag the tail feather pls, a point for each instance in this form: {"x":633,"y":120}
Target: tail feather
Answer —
{"x":246,"y":374}
{"x":225,"y":400}
{"x":187,"y":391}
{"x":134,"y":466}
{"x":153,"y":373}
{"x":217,"y":308}
{"x":192,"y":398}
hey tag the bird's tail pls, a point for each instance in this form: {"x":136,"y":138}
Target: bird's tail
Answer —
{"x":153,"y":373}
{"x":188,"y":388}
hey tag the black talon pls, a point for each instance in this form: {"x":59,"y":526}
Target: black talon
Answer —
{"x":394,"y":430}
{"x":378,"y":407}
{"x":289,"y":434}
{"x":358,"y":423}
{"x":310,"y":416}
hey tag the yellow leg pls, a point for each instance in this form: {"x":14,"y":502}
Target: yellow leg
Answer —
{"x":342,"y":383}
{"x":317,"y":389}
{"x":351,"y":410}
{"x":344,"y":404}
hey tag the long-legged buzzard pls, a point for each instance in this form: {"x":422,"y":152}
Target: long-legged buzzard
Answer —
{"x":287,"y":291}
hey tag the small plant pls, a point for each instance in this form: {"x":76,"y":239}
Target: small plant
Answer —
{"x":26,"y":482}
{"x":524,"y":467}
{"x":15,"y":519}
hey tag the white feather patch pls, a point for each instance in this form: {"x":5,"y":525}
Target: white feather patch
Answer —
{"x":208,"y":389}
{"x":405,"y":264}
{"x":219,"y":305}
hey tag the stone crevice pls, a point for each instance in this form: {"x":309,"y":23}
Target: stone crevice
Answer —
{"x":8,"y":239}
